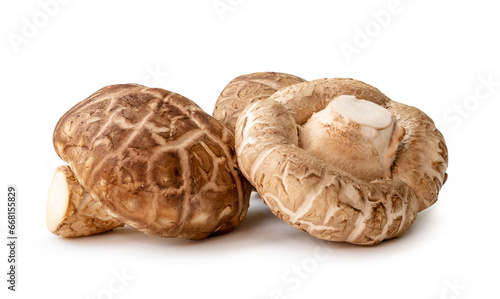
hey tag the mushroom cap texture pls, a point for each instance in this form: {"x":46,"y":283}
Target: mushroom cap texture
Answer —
{"x":315,"y":196}
{"x":247,"y":89}
{"x":154,"y":160}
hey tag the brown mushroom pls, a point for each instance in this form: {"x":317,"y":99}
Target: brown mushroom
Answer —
{"x":340,"y":160}
{"x":247,"y":89}
{"x":71,"y":211}
{"x":154,"y":160}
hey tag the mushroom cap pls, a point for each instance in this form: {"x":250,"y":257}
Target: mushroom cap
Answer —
{"x":154,"y":160}
{"x":318,"y":197}
{"x":247,"y":89}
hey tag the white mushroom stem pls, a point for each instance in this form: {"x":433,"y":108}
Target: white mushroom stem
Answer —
{"x":71,"y":211}
{"x":357,"y":136}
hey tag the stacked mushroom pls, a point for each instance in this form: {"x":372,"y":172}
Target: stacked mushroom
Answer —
{"x":336,"y":157}
{"x":333,"y":157}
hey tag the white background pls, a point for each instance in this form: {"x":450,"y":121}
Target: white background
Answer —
{"x":435,"y":55}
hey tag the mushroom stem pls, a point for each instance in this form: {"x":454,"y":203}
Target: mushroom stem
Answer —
{"x":357,"y":136}
{"x":71,"y":211}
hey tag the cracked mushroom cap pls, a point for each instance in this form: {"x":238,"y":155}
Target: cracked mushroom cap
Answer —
{"x":155,"y":161}
{"x":340,"y":160}
{"x":247,"y":89}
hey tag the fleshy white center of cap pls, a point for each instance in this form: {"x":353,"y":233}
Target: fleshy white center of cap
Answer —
{"x":362,"y":112}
